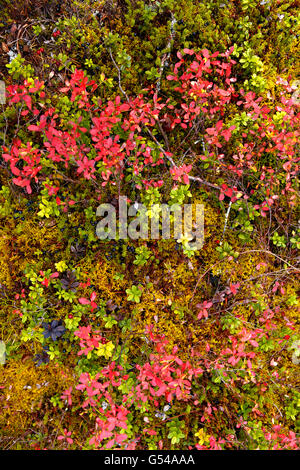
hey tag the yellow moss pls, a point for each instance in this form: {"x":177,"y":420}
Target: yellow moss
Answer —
{"x":43,"y":236}
{"x":24,"y":389}
{"x":5,"y":277}
{"x":237,"y":270}
{"x":290,"y":299}
{"x":101,"y":273}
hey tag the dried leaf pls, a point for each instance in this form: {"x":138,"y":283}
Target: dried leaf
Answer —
{"x":5,"y":48}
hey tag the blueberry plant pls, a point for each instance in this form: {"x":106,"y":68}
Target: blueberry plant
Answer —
{"x":149,"y":344}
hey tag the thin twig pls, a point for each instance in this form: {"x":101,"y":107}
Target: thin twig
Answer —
{"x":226,"y":220}
{"x":168,"y":48}
{"x":119,"y":75}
